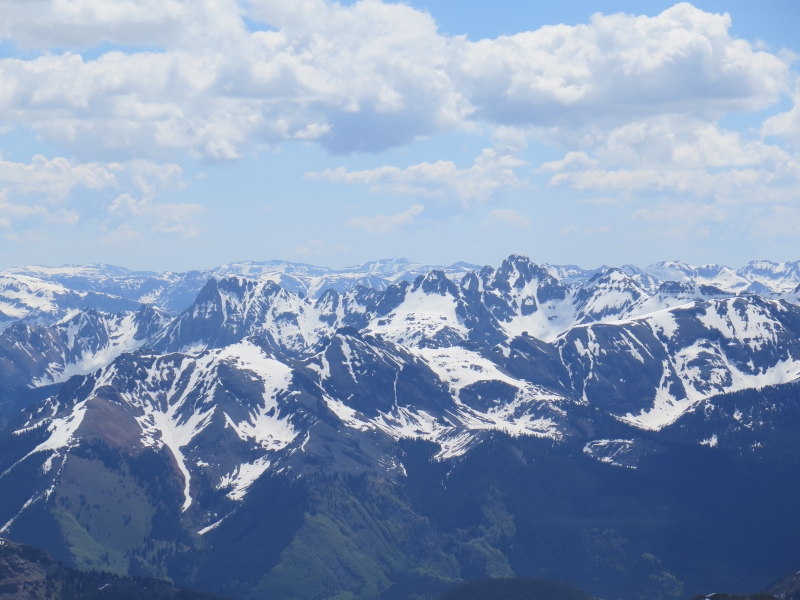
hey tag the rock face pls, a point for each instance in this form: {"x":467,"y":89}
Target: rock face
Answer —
{"x":154,"y":441}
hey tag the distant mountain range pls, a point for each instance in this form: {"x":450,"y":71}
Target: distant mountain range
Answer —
{"x":278,"y":430}
{"x":45,"y":294}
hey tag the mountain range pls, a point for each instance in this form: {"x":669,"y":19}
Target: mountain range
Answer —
{"x":278,"y":430}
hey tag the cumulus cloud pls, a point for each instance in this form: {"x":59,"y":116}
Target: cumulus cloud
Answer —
{"x":671,"y":151}
{"x":699,"y":182}
{"x":51,"y":191}
{"x":786,"y":124}
{"x":169,"y":218}
{"x":149,"y":179}
{"x":681,"y":141}
{"x":11,"y":212}
{"x":681,"y":156}
{"x":55,"y":178}
{"x":689,"y":174}
{"x":572,"y":160}
{"x":33,"y":193}
{"x":83,"y":23}
{"x":386,"y":223}
{"x":492,"y":170}
{"x":362,"y":77}
{"x":634,"y":102}
{"x":620,"y":67}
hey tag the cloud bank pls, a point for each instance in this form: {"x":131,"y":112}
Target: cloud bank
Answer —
{"x":363,"y":77}
{"x":633,"y":102}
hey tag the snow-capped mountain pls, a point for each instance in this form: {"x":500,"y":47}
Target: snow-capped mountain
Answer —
{"x":778,"y":277}
{"x":508,"y":349}
{"x":47,"y":294}
{"x":35,"y":355}
{"x":713,"y":275}
{"x":23,"y":297}
{"x":483,"y":310}
{"x":283,"y":369}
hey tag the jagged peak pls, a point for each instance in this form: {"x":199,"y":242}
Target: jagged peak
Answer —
{"x":486,"y":274}
{"x":436,"y":282}
{"x":520,"y":261}
{"x":239,"y":287}
{"x":516,"y":271}
{"x":471,"y":282}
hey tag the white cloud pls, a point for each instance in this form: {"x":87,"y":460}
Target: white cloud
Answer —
{"x":169,"y":218}
{"x":216,"y":87}
{"x":14,"y":212}
{"x":678,"y":155}
{"x":55,"y":178}
{"x":699,"y":182}
{"x":689,"y":174}
{"x":786,"y":124}
{"x":572,"y":160}
{"x":635,"y":103}
{"x":684,"y":142}
{"x":83,"y":23}
{"x":47,"y":191}
{"x":492,"y":170}
{"x":691,"y":203}
{"x":33,"y":192}
{"x":386,"y":223}
{"x":620,"y":68}
{"x":361,"y":77}
{"x":507,"y":217}
{"x":149,"y":179}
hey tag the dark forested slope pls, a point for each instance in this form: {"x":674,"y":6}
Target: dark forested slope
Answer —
{"x":27,"y":573}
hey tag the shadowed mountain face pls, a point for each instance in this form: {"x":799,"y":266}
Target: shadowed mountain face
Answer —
{"x":787,"y":588}
{"x":731,"y":597}
{"x":629,"y":434}
{"x":515,"y":589}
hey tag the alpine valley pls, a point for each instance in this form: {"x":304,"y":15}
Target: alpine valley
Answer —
{"x":283,"y":431}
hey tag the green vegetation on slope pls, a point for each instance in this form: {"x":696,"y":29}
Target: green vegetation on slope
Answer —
{"x":30,"y":574}
{"x":109,"y":511}
{"x":511,"y":507}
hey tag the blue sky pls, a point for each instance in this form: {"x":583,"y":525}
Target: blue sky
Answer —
{"x":176,"y":135}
